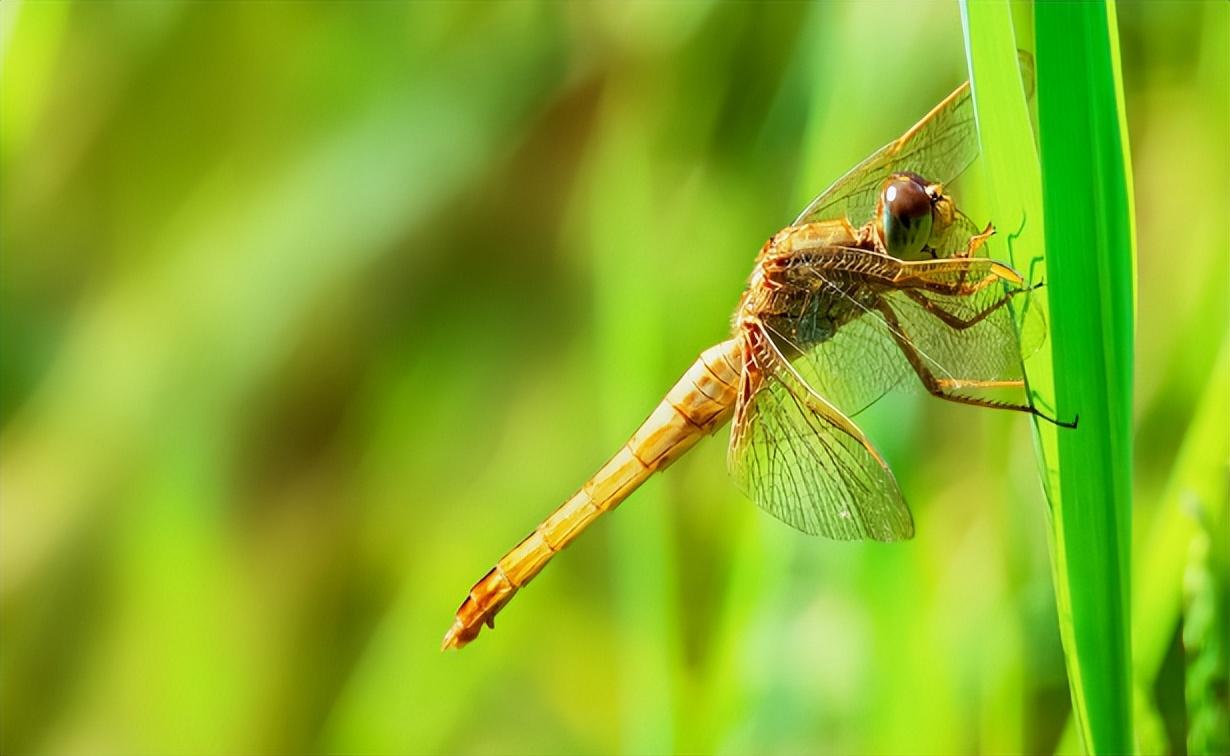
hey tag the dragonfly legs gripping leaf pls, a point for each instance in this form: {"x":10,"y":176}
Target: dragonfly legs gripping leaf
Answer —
{"x":945,"y":388}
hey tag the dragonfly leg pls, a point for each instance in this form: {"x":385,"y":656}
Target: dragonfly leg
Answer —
{"x":950,"y":275}
{"x":975,"y":243}
{"x":945,"y":388}
{"x":960,"y":287}
{"x":956,"y":322}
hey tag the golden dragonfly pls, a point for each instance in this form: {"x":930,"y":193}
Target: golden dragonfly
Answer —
{"x":877,"y":280}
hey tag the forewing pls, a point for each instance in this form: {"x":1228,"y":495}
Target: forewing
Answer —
{"x":939,"y":148}
{"x":807,"y":464}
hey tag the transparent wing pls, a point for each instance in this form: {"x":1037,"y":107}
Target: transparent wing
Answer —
{"x":853,"y":367}
{"x":844,"y":341}
{"x":957,"y":312}
{"x":939,"y":147}
{"x":980,"y":334}
{"x":808,"y":465}
{"x":967,"y":339}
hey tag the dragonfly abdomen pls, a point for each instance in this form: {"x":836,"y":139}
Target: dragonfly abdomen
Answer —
{"x":699,"y":403}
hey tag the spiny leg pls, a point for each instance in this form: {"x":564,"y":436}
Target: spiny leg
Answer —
{"x":919,"y":272}
{"x":975,"y":242}
{"x":960,"y":287}
{"x":950,"y":275}
{"x":943,"y":388}
{"x":956,"y":322}
{"x":973,"y":245}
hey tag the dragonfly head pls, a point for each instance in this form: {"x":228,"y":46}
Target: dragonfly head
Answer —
{"x":909,"y":211}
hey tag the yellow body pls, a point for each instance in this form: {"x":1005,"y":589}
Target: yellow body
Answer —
{"x":700,"y":403}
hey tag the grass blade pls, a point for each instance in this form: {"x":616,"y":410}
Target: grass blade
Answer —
{"x":1086,"y":189}
{"x":1205,"y":623}
{"x":1199,"y":475}
{"x":1086,"y":228}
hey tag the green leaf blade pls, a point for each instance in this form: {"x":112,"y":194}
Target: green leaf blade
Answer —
{"x":1086,"y":189}
{"x":1074,"y":200}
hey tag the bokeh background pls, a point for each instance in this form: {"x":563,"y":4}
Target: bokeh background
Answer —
{"x":308,"y":311}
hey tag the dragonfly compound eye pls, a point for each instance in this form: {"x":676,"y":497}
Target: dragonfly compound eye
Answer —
{"x":905,"y":216}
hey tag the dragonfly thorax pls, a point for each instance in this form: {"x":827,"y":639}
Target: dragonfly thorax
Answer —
{"x":809,"y":281}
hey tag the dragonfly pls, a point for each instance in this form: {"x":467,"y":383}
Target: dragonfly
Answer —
{"x":877,"y":283}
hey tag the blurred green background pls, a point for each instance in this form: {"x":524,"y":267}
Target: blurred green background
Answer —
{"x":309,"y":311}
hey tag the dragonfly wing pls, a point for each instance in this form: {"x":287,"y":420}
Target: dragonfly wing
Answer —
{"x":854,"y":364}
{"x":978,"y":335}
{"x":939,"y":147}
{"x":806,"y":463}
{"x":990,"y":348}
{"x":843,"y":347}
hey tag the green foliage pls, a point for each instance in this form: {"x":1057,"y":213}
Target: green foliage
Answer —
{"x":309,"y":311}
{"x":1190,"y":514}
{"x":1199,"y":497}
{"x":1087,"y":197}
{"x":1088,"y":267}
{"x":1206,"y":632}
